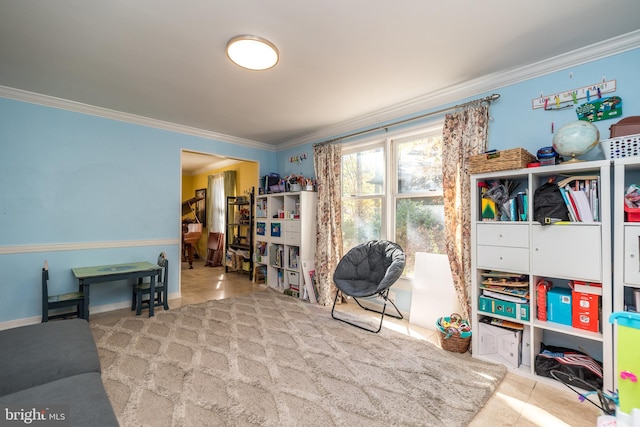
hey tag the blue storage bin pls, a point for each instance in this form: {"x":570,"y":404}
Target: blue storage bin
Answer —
{"x":559,"y":305}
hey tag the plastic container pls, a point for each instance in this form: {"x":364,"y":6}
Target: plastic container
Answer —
{"x":632,"y":214}
{"x":628,"y":364}
{"x":621,"y":147}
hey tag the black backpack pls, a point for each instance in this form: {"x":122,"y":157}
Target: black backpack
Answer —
{"x":549,"y":205}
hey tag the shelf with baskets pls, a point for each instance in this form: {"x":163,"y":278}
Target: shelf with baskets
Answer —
{"x":512,"y":317}
{"x":239,"y":235}
{"x":284,"y":235}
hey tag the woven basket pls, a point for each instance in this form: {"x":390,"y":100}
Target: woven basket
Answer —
{"x":456,"y":342}
{"x":515,"y":158}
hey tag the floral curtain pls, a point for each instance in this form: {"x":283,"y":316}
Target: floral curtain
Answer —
{"x":327,"y":161}
{"x":464,"y":134}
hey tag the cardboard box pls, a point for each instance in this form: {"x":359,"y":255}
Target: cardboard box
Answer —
{"x":559,"y":305}
{"x":585,"y":311}
{"x":505,"y":308}
{"x":504,"y":344}
{"x":587,"y":287}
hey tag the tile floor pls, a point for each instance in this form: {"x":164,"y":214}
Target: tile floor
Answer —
{"x":518,"y":401}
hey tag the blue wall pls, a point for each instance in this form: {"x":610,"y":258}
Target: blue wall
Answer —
{"x":287,"y":165}
{"x":71,"y":178}
{"x":515,"y":124}
{"x":68,"y":177}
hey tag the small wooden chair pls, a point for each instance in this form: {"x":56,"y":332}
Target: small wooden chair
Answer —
{"x":161,"y":290}
{"x":50,"y":302}
{"x":190,"y":242}
{"x":215,"y":248}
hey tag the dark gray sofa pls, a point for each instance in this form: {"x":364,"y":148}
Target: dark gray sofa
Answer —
{"x":54,"y":365}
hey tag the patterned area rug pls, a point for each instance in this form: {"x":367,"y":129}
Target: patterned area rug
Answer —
{"x":271,"y":360}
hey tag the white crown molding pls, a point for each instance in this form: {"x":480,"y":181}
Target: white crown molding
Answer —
{"x":422,"y":103}
{"x":78,"y":107}
{"x":81,"y":246}
{"x":475,"y":87}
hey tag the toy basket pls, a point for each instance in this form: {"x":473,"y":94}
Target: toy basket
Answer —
{"x":454,"y":333}
{"x":621,"y":147}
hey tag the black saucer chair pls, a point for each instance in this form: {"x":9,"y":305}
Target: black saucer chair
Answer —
{"x":366,"y":270}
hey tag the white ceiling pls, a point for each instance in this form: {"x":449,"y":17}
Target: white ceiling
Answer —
{"x":340,"y":60}
{"x":196,"y":163}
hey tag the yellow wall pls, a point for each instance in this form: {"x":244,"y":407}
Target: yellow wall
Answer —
{"x":246,"y":177}
{"x":187,"y":187}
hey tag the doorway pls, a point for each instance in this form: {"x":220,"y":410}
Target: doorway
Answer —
{"x":195,"y":170}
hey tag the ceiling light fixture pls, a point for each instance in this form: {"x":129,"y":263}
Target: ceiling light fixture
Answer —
{"x":252,"y":52}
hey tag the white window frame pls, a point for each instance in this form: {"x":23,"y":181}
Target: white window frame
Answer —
{"x":370,"y":145}
{"x":390,"y":194}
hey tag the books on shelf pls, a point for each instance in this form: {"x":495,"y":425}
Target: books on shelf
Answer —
{"x":261,"y":208}
{"x":503,"y":286}
{"x":581,"y":194}
{"x":503,"y":323}
{"x":578,"y":181}
{"x":261,"y":252}
{"x":293,"y":256}
{"x":518,"y":292}
{"x":504,"y":296}
{"x":276,"y":256}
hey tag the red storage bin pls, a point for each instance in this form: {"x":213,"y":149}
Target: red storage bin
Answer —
{"x":632,"y":214}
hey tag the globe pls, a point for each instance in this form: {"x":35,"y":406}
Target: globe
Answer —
{"x":575,"y":139}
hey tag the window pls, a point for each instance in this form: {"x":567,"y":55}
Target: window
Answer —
{"x":417,"y":198}
{"x":392,"y":189}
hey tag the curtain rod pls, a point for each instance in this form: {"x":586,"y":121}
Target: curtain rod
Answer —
{"x":489,"y":98}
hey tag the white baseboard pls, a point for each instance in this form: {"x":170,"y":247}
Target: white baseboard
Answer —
{"x":10,"y":324}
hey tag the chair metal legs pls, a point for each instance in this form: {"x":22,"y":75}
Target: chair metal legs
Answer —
{"x":385,"y":296}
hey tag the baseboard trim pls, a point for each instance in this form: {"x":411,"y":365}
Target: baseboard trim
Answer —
{"x":10,"y":324}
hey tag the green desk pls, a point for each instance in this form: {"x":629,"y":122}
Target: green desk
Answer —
{"x":111,"y":273}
